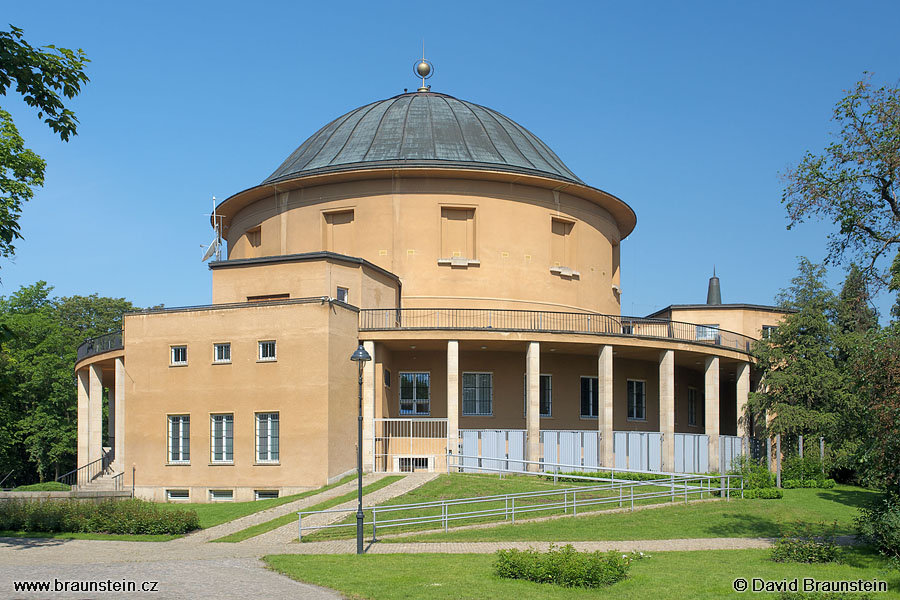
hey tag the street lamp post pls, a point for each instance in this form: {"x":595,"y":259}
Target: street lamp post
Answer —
{"x":360,"y":357}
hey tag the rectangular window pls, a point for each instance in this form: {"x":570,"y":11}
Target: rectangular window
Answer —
{"x":179,"y":355}
{"x":265,"y":494}
{"x":546,"y":386}
{"x":387,"y":378}
{"x":768,"y":330}
{"x":177,"y":495}
{"x":221,"y":437}
{"x":637,"y":401}
{"x":707,"y":333}
{"x":457,"y":232}
{"x":221,"y":495}
{"x":222,"y":353}
{"x":179,"y":438}
{"x":343,"y":294}
{"x":267,"y":437}
{"x":561,"y":251}
{"x":267,"y":350}
{"x":692,"y":406}
{"x":415,"y":393}
{"x":478,"y":393}
{"x":590,"y":397}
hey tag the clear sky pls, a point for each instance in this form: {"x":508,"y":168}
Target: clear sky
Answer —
{"x":688,"y":111}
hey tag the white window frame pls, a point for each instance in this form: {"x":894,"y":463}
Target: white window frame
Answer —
{"x":227,"y":418}
{"x":226,"y":495}
{"x":221,"y":346}
{"x":643,"y":399}
{"x":767,"y":330}
{"x":173,"y":362}
{"x":415,"y":400}
{"x":346,"y":298}
{"x":183,"y":454}
{"x":262,"y":344}
{"x":478,"y":400}
{"x":549,"y":376}
{"x":271,"y":448}
{"x":171,"y":497}
{"x":595,"y":391}
{"x":693,"y":394}
{"x":265,"y":494}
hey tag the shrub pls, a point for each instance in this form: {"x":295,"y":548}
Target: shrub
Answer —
{"x":879,"y":524}
{"x":804,"y":469}
{"x":806,"y":545}
{"x":790,"y":484}
{"x":764,"y":493}
{"x":565,"y":566}
{"x":826,"y":484}
{"x":604,"y":475}
{"x":756,"y":475}
{"x":124,"y":517}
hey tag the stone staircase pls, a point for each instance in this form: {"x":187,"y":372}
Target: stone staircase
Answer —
{"x":101,"y":483}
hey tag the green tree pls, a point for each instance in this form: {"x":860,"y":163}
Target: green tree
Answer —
{"x":42,"y":77}
{"x":37,"y":384}
{"x":804,"y":385}
{"x":854,"y":316}
{"x":854,"y":182}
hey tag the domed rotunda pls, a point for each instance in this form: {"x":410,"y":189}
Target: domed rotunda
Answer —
{"x":481,"y":276}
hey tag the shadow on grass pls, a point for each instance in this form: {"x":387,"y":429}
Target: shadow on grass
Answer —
{"x":855,"y":498}
{"x":738,"y":525}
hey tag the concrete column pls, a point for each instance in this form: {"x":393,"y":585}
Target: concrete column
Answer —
{"x":84,"y":424}
{"x":667,"y":408}
{"x":95,"y":413}
{"x":533,"y":400}
{"x":453,"y":396}
{"x":119,"y":404}
{"x":743,"y":395}
{"x":111,"y":419}
{"x":605,"y":405}
{"x":711,"y":407}
{"x":368,"y":408}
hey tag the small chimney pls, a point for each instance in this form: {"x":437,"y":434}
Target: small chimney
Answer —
{"x":714,"y":294}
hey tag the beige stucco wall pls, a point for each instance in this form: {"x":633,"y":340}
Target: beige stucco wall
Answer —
{"x":397,"y":226}
{"x":744,"y":320}
{"x":304,"y":279}
{"x":315,"y":418}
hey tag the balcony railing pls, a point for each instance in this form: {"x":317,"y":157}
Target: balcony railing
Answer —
{"x":99,"y":345}
{"x":488,"y":319}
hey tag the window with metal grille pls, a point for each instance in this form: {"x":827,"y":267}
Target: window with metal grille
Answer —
{"x":179,"y":355}
{"x":692,"y":406}
{"x":179,"y":438}
{"x":546,"y":386}
{"x":415,"y":393}
{"x":267,"y":437}
{"x":414,"y":463}
{"x":267,"y":350}
{"x":221,"y":495}
{"x":178,"y":495}
{"x":478,"y":393}
{"x":265,"y":494}
{"x":222,"y":353}
{"x":221,"y":437}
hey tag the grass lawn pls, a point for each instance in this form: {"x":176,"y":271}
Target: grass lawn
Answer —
{"x":216,"y":513}
{"x":705,"y":574}
{"x":249,"y":532}
{"x":462,"y":485}
{"x":47,"y":486}
{"x":90,"y":536}
{"x":722,"y":518}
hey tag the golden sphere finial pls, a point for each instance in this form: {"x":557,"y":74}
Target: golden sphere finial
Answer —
{"x":423,"y":69}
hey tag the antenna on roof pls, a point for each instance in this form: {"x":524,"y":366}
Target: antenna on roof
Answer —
{"x":215,"y":248}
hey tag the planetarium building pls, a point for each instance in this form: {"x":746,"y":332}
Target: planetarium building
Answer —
{"x":482,"y":277}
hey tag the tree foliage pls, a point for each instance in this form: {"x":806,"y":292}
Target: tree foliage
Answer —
{"x":43,"y":77}
{"x":805,"y":385}
{"x":854,"y":182}
{"x":38,"y":405}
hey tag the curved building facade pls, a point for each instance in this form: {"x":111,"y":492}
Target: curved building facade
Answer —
{"x":483,"y":277}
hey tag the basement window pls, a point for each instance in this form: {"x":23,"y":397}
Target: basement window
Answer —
{"x":176,"y":495}
{"x":221,"y":495}
{"x":265,"y":494}
{"x":413,"y":463}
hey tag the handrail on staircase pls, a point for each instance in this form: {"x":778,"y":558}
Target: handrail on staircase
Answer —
{"x":88,"y":472}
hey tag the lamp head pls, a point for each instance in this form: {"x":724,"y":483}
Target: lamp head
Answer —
{"x":360,"y":355}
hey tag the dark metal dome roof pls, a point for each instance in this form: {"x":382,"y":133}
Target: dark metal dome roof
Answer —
{"x":423,"y":129}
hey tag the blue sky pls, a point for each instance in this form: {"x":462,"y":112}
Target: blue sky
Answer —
{"x":688,"y":111}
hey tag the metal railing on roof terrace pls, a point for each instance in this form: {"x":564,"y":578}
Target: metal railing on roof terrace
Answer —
{"x":490,"y":319}
{"x":100,"y":344}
